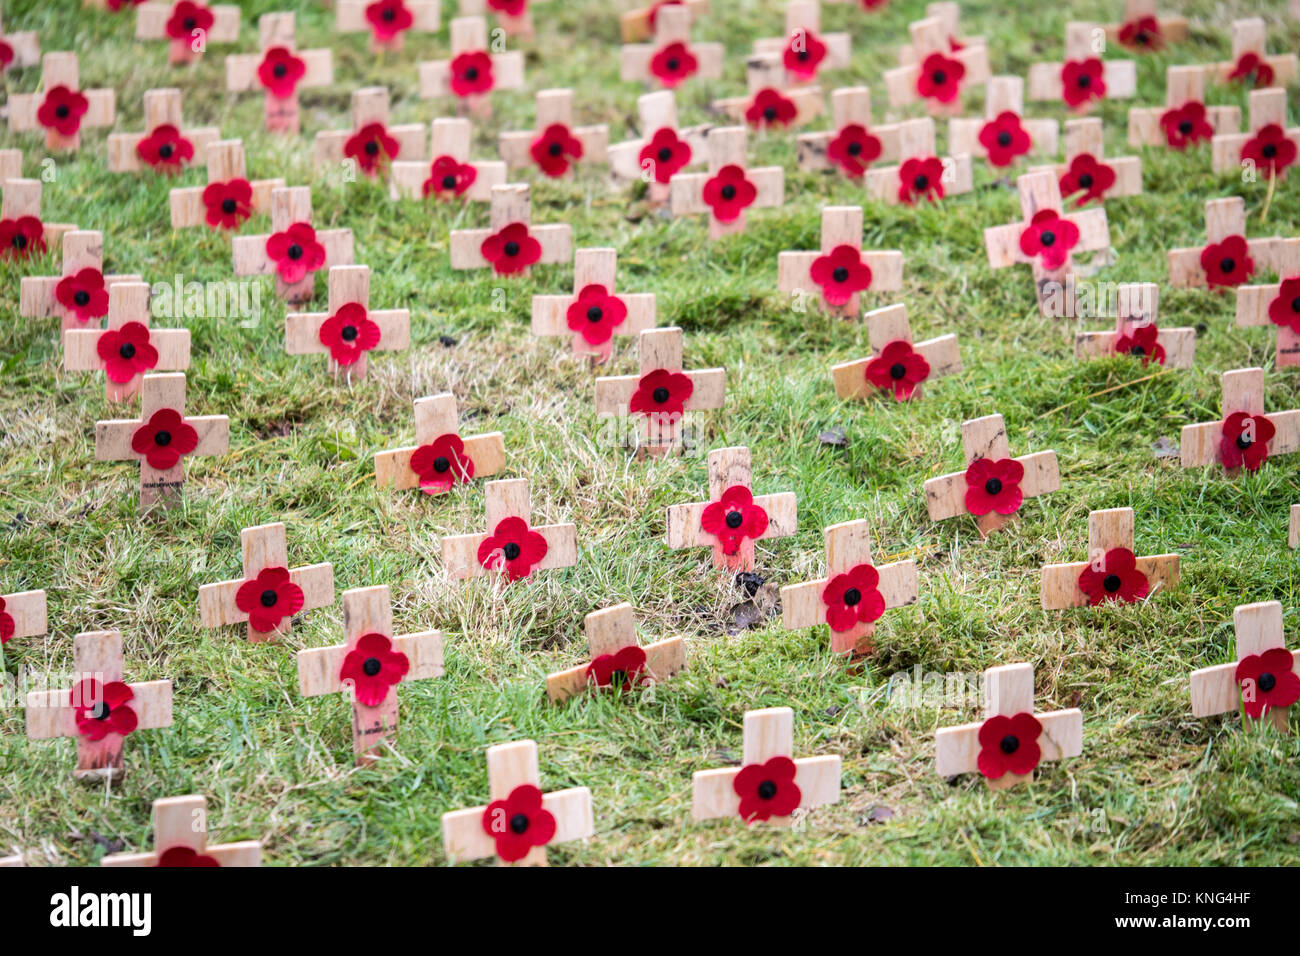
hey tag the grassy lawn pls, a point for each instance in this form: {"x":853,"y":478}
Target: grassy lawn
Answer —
{"x":1154,"y":785}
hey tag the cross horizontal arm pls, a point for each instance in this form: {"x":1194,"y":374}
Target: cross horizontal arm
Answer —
{"x":663,"y":659}
{"x":113,"y":437}
{"x":241,"y":70}
{"x":1060,"y":582}
{"x":945,"y":496}
{"x":957,"y":749}
{"x":460,"y":552}
{"x":556,"y":241}
{"x":614,"y":392}
{"x":1199,"y":444}
{"x":320,"y":668}
{"x":50,"y":712}
{"x":713,"y":793}
{"x":802,"y":605}
{"x":686,"y":190}
{"x":217,"y":601}
{"x":684,"y":529}
{"x":487,"y":452}
{"x":507,"y":74}
{"x":850,"y":377}
{"x":463,"y":836}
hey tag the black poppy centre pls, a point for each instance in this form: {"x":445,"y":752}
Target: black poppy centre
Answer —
{"x":852,"y":597}
{"x":511,"y":551}
{"x":279,"y":70}
{"x":19,"y":241}
{"x":665,"y":154}
{"x":767,"y":790}
{"x":389,"y":14}
{"x":1086,"y":180}
{"x":448,"y":182}
{"x":162,"y":439}
{"x":1244,"y":440}
{"x":939,"y":77}
{"x":519,"y":823}
{"x":101,"y":711}
{"x":1137,"y":350}
{"x":348,"y":333}
{"x":556,"y":148}
{"x":472,"y":73}
{"x":769,"y":113}
{"x":1111,"y":583}
{"x":269,"y":597}
{"x":1266,"y":682}
{"x":1048,"y":238}
{"x":673,"y":64}
{"x":441,"y":464}
{"x":841,"y":274}
{"x":993,"y":486}
{"x":81,"y":297}
{"x":228,"y":206}
{"x":166,"y":150}
{"x":660,"y":395}
{"x":512,"y":249}
{"x":735,"y":519}
{"x":728,"y":192}
{"x":372,"y":666}
{"x":1009,"y":744}
{"x":1004,"y":139}
{"x":372,"y":148}
{"x":295,"y":251}
{"x":62,"y":111}
{"x":1269,"y":150}
{"x":126,"y":350}
{"x":854,"y":149}
{"x":897,"y":371}
{"x":921,"y":183}
{"x":595,"y":314}
{"x":1084,"y":81}
{"x":1228,"y":265}
{"x":1185,"y":127}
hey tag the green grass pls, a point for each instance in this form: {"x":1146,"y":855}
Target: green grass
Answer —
{"x":1154,"y":785}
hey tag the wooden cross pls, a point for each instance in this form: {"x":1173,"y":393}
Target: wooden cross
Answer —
{"x":63,"y":109}
{"x":226,"y":169}
{"x":270,"y":593}
{"x":988,"y":488}
{"x":511,"y":243}
{"x":1136,"y":333}
{"x":473,"y":71}
{"x":291,"y":219}
{"x":1084,"y":80}
{"x":733,"y":518}
{"x":594,"y":314}
{"x":896,"y":364}
{"x":510,"y":546}
{"x":127,"y":348}
{"x":100,"y":710}
{"x":853,"y":144}
{"x":1232,"y":257}
{"x":641,"y":23}
{"x":1229,"y":441}
{"x":549,"y":146}
{"x":350,"y":330}
{"x":24,"y":49}
{"x":690,"y":193}
{"x":77,"y":295}
{"x":161,"y":438}
{"x":1085,"y":175}
{"x":1113,"y":571}
{"x":804,"y":49}
{"x":770,"y":102}
{"x":368,"y":666}
{"x":1251,"y":62}
{"x":936,"y":73}
{"x":520,"y":821}
{"x":20,"y":206}
{"x":853,"y":594}
{"x":444,"y":457}
{"x":451,"y":173}
{"x":1145,"y":29}
{"x":995,"y":137}
{"x":1171,"y":124}
{"x":280,"y":70}
{"x":914,"y":177}
{"x":22,"y":614}
{"x":671,"y":58}
{"x":1263,"y":677}
{"x":188,"y":26}
{"x":769,"y":785}
{"x":180,"y":838}
{"x":948,"y":13}
{"x":836,"y":272}
{"x":618,"y":659}
{"x":662,"y":392}
{"x":1276,"y":304}
{"x":661,"y":149}
{"x":165,"y":145}
{"x":387,"y":21}
{"x":1232,"y":151}
{"x":368,"y":142}
{"x":1015,"y":735}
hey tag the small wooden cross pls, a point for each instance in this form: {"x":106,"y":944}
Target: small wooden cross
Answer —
{"x":733,"y":518}
{"x":161,"y":438}
{"x":1277,"y":304}
{"x":948,"y":13}
{"x":1184,"y":120}
{"x":24,"y":48}
{"x":937,"y":73}
{"x":21,"y":207}
{"x":371,"y":144}
{"x":387,"y":21}
{"x":81,"y":295}
{"x":853,"y":144}
{"x":770,"y":102}
{"x":1136,"y":333}
{"x":1260,"y":146}
{"x":188,"y":26}
{"x":1003,"y":135}
{"x":1085,"y":175}
{"x":451,"y":174}
{"x":1228,"y":258}
{"x":1144,"y":29}
{"x":100,"y":710}
{"x":920,"y":174}
{"x":555,"y":145}
{"x":440,"y":458}
{"x":1113,"y":572}
{"x":180,"y":838}
{"x":127,"y":348}
{"x":473,"y":71}
{"x":671,"y":58}
{"x":280,"y":70}
{"x":840,"y":271}
{"x":853,"y":594}
{"x":641,"y":23}
{"x":1245,"y":436}
{"x":594,"y":314}
{"x":1084,"y":80}
{"x":1011,"y":740}
{"x":520,"y":821}
{"x":511,"y":243}
{"x":618,"y":660}
{"x":22,"y":614}
{"x":510,"y":546}
{"x":769,"y":785}
{"x":992,"y":487}
{"x":896,"y":364}
{"x":368,"y":666}
{"x":165,"y":145}
{"x":350,"y":330}
{"x":1251,"y":62}
{"x":722,"y":191}
{"x":270,"y":594}
{"x":805,"y":50}
{"x":1263,"y":681}
{"x":662,"y":148}
{"x":63,"y":109}
{"x":295,"y":251}
{"x":661,"y":393}
{"x":233,"y":198}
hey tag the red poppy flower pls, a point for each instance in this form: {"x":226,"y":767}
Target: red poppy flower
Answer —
{"x":1228,"y":262}
{"x":673,"y":64}
{"x":513,"y":548}
{"x":920,"y":179}
{"x":1087,"y":176}
{"x":994,"y":485}
{"x":1142,"y":343}
{"x":804,"y":54}
{"x":62,"y":110}
{"x":661,"y":393}
{"x":184,"y":856}
{"x":1049,"y":237}
{"x":1245,"y":440}
{"x":471,"y":73}
{"x":853,"y":598}
{"x":595,"y":314}
{"x":126,"y":352}
{"x":371,"y":147}
{"x":898,"y":367}
{"x":1004,"y":138}
{"x":770,"y":108}
{"x":165,"y":148}
{"x":102,"y":709}
{"x":1267,"y":681}
{"x":280,"y":71}
{"x":1009,"y":745}
{"x":518,"y":823}
{"x":853,"y":149}
{"x":665,"y":153}
{"x":555,"y":149}
{"x":940,"y":78}
{"x":372,"y":667}
{"x":621,"y":670}
{"x":1270,"y":149}
{"x":7,"y":625}
{"x":1186,"y":124}
{"x":448,"y":177}
{"x":1251,"y":66}
{"x":511,"y":250}
{"x":841,"y":273}
{"x":229,"y":204}
{"x":1118,"y":579}
{"x":186,"y":18}
{"x":268,"y":599}
{"x":509,"y":8}
{"x":733,"y":518}
{"x":21,"y":238}
{"x":388,"y":18}
{"x":1142,"y":33}
{"x":83,"y":294}
{"x":6,"y":55}
{"x":1284,"y":310}
{"x":441,"y":464}
{"x":349,"y":333}
{"x":729,"y":193}
{"x":164,"y":439}
{"x":1082,"y":81}
{"x":767,"y":790}
{"x":295,"y":252}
